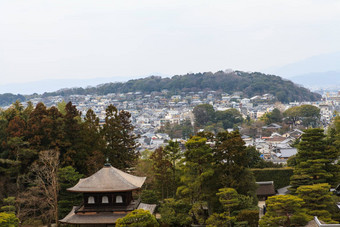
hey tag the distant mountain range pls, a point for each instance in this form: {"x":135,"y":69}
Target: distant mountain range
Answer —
{"x":317,"y":72}
{"x":320,"y":63}
{"x":325,"y":80}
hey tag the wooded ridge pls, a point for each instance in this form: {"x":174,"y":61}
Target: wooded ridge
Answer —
{"x":250,"y":84}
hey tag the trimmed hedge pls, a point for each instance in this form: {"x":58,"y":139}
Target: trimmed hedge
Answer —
{"x":280,"y":176}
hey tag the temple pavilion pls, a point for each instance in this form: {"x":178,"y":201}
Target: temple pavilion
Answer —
{"x":107,"y":196}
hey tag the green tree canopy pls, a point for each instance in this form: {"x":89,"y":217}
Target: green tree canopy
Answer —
{"x":175,"y":212}
{"x":138,"y":218}
{"x":318,"y":200}
{"x":174,"y":155}
{"x":8,"y":220}
{"x":273,"y":117}
{"x":120,"y":141}
{"x":67,"y":177}
{"x":232,"y":161}
{"x":197,"y":170}
{"x":162,"y":172}
{"x":9,"y":203}
{"x":228,"y":197}
{"x":315,"y":161}
{"x":204,"y":113}
{"x":284,"y":210}
{"x":309,"y":115}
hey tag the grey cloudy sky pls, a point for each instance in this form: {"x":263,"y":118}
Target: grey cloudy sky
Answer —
{"x":46,"y":39}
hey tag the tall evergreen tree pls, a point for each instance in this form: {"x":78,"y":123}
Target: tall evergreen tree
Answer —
{"x":37,"y":125}
{"x":232,"y":160}
{"x":315,"y":160}
{"x":204,"y":113}
{"x":73,"y":148}
{"x":94,"y":142}
{"x":67,"y":177}
{"x":198,"y":170}
{"x":173,"y":154}
{"x":120,"y":141}
{"x":162,"y":170}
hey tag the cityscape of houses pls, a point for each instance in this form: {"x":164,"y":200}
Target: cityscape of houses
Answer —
{"x":151,"y":111}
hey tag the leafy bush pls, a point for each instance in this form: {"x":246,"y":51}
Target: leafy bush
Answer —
{"x":217,"y":220}
{"x":149,"y":196}
{"x":8,"y":220}
{"x":138,"y":218}
{"x":251,"y":216}
{"x":175,"y":213}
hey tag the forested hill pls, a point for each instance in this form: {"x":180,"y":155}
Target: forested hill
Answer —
{"x":8,"y":98}
{"x":250,"y":84}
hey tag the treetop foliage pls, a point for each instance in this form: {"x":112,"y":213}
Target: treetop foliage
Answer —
{"x":318,"y":200}
{"x":138,"y":218}
{"x":315,"y":160}
{"x":216,"y":121}
{"x":8,"y":98}
{"x":309,"y":115}
{"x":284,"y":210}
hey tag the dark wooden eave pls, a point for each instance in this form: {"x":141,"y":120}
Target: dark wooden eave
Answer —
{"x":92,"y":218}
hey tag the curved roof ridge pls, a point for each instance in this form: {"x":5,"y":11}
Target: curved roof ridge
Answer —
{"x":119,"y":174}
{"x":108,"y":179}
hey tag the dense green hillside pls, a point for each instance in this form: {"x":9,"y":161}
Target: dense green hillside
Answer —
{"x":249,"y":83}
{"x":8,"y":98}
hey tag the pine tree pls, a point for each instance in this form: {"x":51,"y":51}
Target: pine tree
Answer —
{"x":73,"y":149}
{"x":284,"y":210}
{"x":198,"y":170}
{"x":138,"y":218}
{"x":228,"y":197}
{"x":314,"y":160}
{"x":120,"y":141}
{"x":162,"y":170}
{"x":67,"y":177}
{"x":36,"y":128}
{"x":231,"y":157}
{"x":173,"y":154}
{"x":94,"y":142}
{"x":318,"y":200}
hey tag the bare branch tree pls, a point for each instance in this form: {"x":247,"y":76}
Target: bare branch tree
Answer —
{"x":46,"y":187}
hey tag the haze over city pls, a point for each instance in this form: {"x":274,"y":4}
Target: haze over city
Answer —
{"x":121,"y":40}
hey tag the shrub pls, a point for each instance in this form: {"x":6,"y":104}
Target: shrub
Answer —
{"x":251,"y":216}
{"x":138,"y":218}
{"x":8,"y":220}
{"x":149,"y":196}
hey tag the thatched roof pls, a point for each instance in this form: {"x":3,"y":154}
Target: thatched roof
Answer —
{"x":266,"y":188}
{"x":108,"y":179}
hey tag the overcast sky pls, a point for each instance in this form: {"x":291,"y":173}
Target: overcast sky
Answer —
{"x":87,"y":39}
